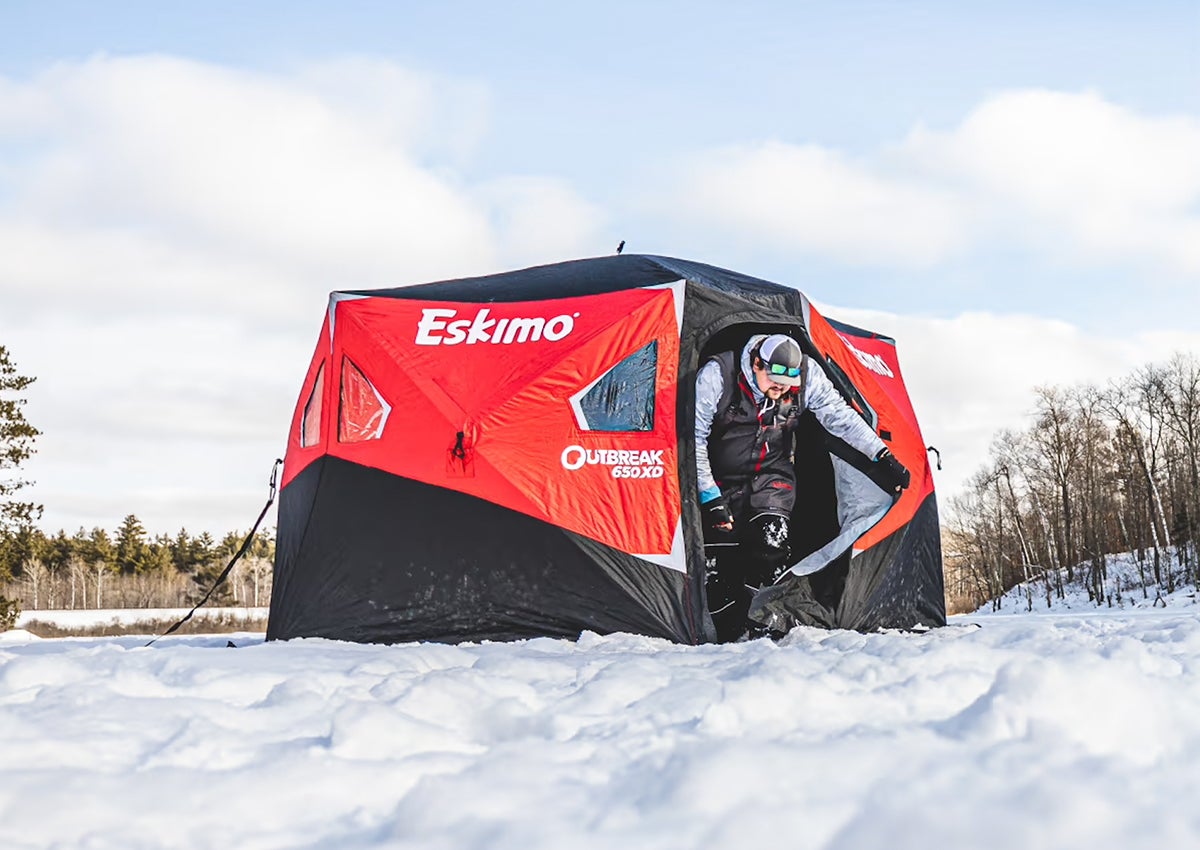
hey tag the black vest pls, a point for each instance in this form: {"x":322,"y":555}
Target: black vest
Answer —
{"x":751,"y":449}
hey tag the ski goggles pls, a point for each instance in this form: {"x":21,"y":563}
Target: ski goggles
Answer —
{"x":780,"y":369}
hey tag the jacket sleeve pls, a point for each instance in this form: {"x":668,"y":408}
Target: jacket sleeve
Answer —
{"x":838,"y":417}
{"x":709,"y":386}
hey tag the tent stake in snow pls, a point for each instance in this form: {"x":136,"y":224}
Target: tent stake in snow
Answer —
{"x":274,"y":485}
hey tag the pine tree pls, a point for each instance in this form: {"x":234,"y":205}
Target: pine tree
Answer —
{"x":157,"y":558}
{"x":16,"y":446}
{"x":131,"y":546}
{"x":102,"y":560}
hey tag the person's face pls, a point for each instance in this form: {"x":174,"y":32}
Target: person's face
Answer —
{"x":766,"y":383}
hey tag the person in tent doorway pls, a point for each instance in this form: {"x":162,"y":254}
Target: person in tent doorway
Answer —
{"x":748,"y":405}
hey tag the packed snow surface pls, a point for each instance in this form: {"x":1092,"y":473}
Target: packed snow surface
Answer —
{"x":83,"y":617}
{"x":1037,"y":731}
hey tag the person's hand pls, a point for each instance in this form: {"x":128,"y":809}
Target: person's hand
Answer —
{"x":717,"y":514}
{"x":892,"y":474}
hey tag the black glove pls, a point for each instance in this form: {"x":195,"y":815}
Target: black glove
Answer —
{"x":891,"y":473}
{"x":717,"y":513}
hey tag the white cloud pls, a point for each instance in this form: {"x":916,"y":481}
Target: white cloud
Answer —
{"x":427,"y":116}
{"x":1070,"y":176}
{"x":812,"y":200}
{"x":539,"y":220}
{"x":342,"y":174}
{"x":1112,"y":183}
{"x":973,"y":374}
{"x":169,"y":231}
{"x":240,"y":164}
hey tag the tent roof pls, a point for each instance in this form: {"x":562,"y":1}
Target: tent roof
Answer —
{"x":590,"y":276}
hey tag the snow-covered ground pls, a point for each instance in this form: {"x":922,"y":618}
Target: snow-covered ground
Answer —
{"x":1128,"y":585}
{"x":78,"y":618}
{"x":1038,"y":731}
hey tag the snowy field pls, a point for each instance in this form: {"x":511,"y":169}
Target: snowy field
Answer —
{"x":1034,"y":731}
{"x":129,"y":618}
{"x":85,"y":617}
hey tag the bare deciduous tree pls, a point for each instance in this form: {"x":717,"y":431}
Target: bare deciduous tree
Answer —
{"x":1096,"y":472}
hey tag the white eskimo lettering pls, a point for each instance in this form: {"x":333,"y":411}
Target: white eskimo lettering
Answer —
{"x":479,"y":327}
{"x":431,"y":323}
{"x":872,"y":361}
{"x":520,"y":330}
{"x":456,"y":332}
{"x":434,"y":328}
{"x":558,"y":327}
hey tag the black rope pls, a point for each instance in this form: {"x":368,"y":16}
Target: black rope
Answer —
{"x":240,"y":552}
{"x":929,"y":449}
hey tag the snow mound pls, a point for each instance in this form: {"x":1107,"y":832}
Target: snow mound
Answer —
{"x":1057,"y":731}
{"x":15,"y":636}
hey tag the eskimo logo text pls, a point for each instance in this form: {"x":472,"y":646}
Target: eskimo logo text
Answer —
{"x":872,"y":361}
{"x":625,"y":463}
{"x":439,"y":327}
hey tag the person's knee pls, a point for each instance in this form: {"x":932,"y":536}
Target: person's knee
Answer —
{"x":769,"y":543}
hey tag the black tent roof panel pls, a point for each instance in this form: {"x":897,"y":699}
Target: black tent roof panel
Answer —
{"x":589,"y":276}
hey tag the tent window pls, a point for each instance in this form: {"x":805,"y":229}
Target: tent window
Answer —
{"x":850,"y":392}
{"x":623,"y":398}
{"x":310,"y":422}
{"x":362,"y":412}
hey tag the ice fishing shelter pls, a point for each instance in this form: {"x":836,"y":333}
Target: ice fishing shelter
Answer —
{"x":510,"y":456}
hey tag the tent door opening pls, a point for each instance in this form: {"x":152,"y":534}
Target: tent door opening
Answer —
{"x":814,"y":519}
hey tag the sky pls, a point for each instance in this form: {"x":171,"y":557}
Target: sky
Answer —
{"x":1047,"y":731}
{"x":1012,"y":190}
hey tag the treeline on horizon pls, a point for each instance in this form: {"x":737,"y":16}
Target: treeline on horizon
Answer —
{"x":1099,"y":471}
{"x":131,"y":569}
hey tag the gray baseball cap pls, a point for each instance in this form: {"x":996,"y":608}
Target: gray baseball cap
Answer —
{"x":783,"y":359}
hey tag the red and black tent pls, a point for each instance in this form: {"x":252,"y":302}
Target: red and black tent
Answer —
{"x":512,"y":456}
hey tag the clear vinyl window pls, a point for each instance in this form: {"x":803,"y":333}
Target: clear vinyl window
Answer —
{"x":362,"y":412}
{"x":623,"y":398}
{"x":310,"y":421}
